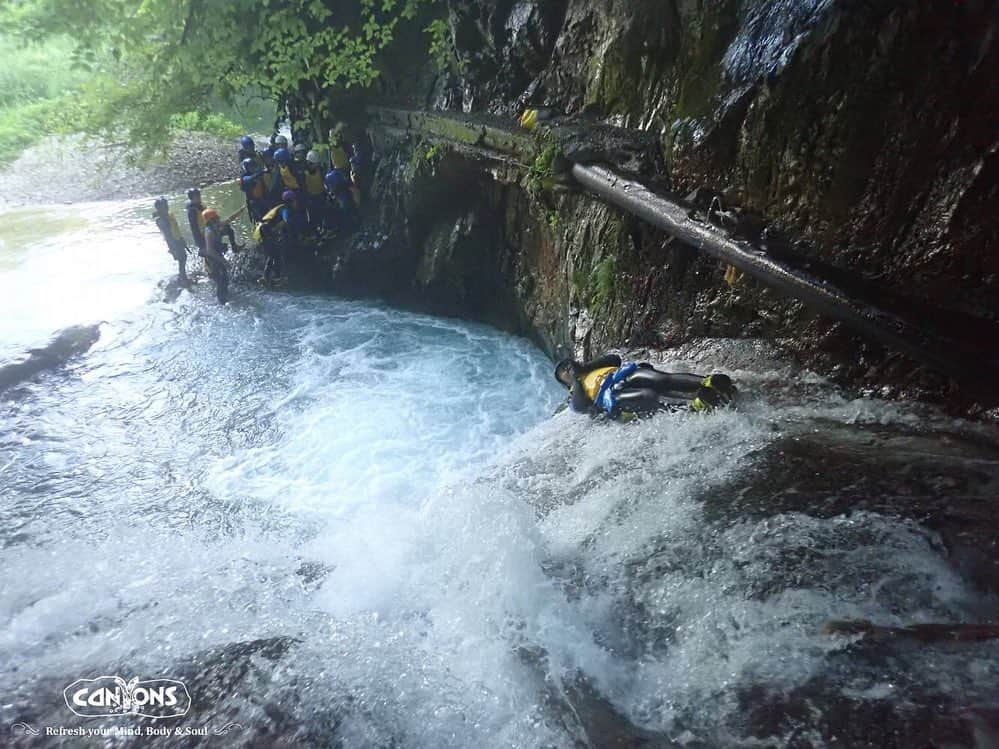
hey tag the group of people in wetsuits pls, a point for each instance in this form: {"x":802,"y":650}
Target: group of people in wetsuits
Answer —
{"x":300,"y":193}
{"x":293,"y":195}
{"x":208,"y":231}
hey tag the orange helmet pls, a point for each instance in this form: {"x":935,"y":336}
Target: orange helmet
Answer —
{"x":209,"y":214}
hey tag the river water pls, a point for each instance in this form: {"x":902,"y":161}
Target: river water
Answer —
{"x":345,"y":525}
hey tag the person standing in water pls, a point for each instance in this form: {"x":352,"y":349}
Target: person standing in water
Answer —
{"x":248,"y":150}
{"x":623,"y":390}
{"x":171,"y":233}
{"x":254,"y":187}
{"x":195,"y":208}
{"x":213,"y":252}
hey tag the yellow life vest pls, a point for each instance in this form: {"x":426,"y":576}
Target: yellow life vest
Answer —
{"x":593,"y":380}
{"x":268,"y":180}
{"x":174,"y":229}
{"x":259,"y":188}
{"x":288,"y":178}
{"x":314,"y":181}
{"x":339,"y":157}
{"x":529,"y":119}
{"x":272,"y":216}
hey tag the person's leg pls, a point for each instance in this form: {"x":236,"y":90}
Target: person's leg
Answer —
{"x":182,"y":268}
{"x":317,"y":216}
{"x":669,"y":384}
{"x":222,"y":286}
{"x":638,"y":400}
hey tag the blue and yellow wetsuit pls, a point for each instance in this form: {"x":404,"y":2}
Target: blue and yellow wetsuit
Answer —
{"x":608,"y":385}
{"x":255,"y":187}
{"x":284,"y":177}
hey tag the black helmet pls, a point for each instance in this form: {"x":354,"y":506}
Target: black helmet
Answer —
{"x":160,"y":203}
{"x":192,"y":192}
{"x":563,"y":371}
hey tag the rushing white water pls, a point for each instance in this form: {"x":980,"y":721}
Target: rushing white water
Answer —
{"x":346,"y":525}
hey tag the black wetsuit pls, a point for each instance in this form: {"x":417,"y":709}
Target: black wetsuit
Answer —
{"x":213,"y":253}
{"x":176,"y":245}
{"x":194,"y":220}
{"x":640,"y":392}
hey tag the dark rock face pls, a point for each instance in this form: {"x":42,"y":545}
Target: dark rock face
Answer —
{"x":853,"y":138}
{"x":501,"y":48}
{"x":867,"y":128}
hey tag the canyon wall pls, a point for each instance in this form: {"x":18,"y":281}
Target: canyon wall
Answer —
{"x":854,"y":139}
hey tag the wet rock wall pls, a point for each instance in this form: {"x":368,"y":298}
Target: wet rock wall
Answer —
{"x":854,"y":138}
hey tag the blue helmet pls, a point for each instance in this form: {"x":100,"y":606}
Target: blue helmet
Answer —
{"x":282,"y":156}
{"x":356,"y":161}
{"x":249,"y":165}
{"x":247,"y":144}
{"x":289,"y":196}
{"x":335,"y":180}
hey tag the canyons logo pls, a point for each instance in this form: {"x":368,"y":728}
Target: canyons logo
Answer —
{"x":112,"y":695}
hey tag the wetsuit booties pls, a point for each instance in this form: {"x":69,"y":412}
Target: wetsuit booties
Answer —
{"x":716,"y":390}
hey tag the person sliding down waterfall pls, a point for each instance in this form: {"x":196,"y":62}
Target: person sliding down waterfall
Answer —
{"x":279,"y":230}
{"x":624,"y":390}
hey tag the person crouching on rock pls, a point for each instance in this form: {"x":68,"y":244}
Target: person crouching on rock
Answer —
{"x":171,"y":233}
{"x":294,"y":216}
{"x":280,"y":228}
{"x":213,"y":252}
{"x":623,"y":390}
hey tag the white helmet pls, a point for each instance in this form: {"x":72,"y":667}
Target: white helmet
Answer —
{"x":280,"y":141}
{"x":312,"y":157}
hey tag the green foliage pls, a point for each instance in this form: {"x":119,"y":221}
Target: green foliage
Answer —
{"x":23,"y":125}
{"x":595,"y":288}
{"x":36,"y":71}
{"x":440,"y":43}
{"x":602,"y":280}
{"x":540,"y":175}
{"x":35,"y":86}
{"x":151,"y":60}
{"x":553,"y":220}
{"x":434,"y":154}
{"x":215,"y":123}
